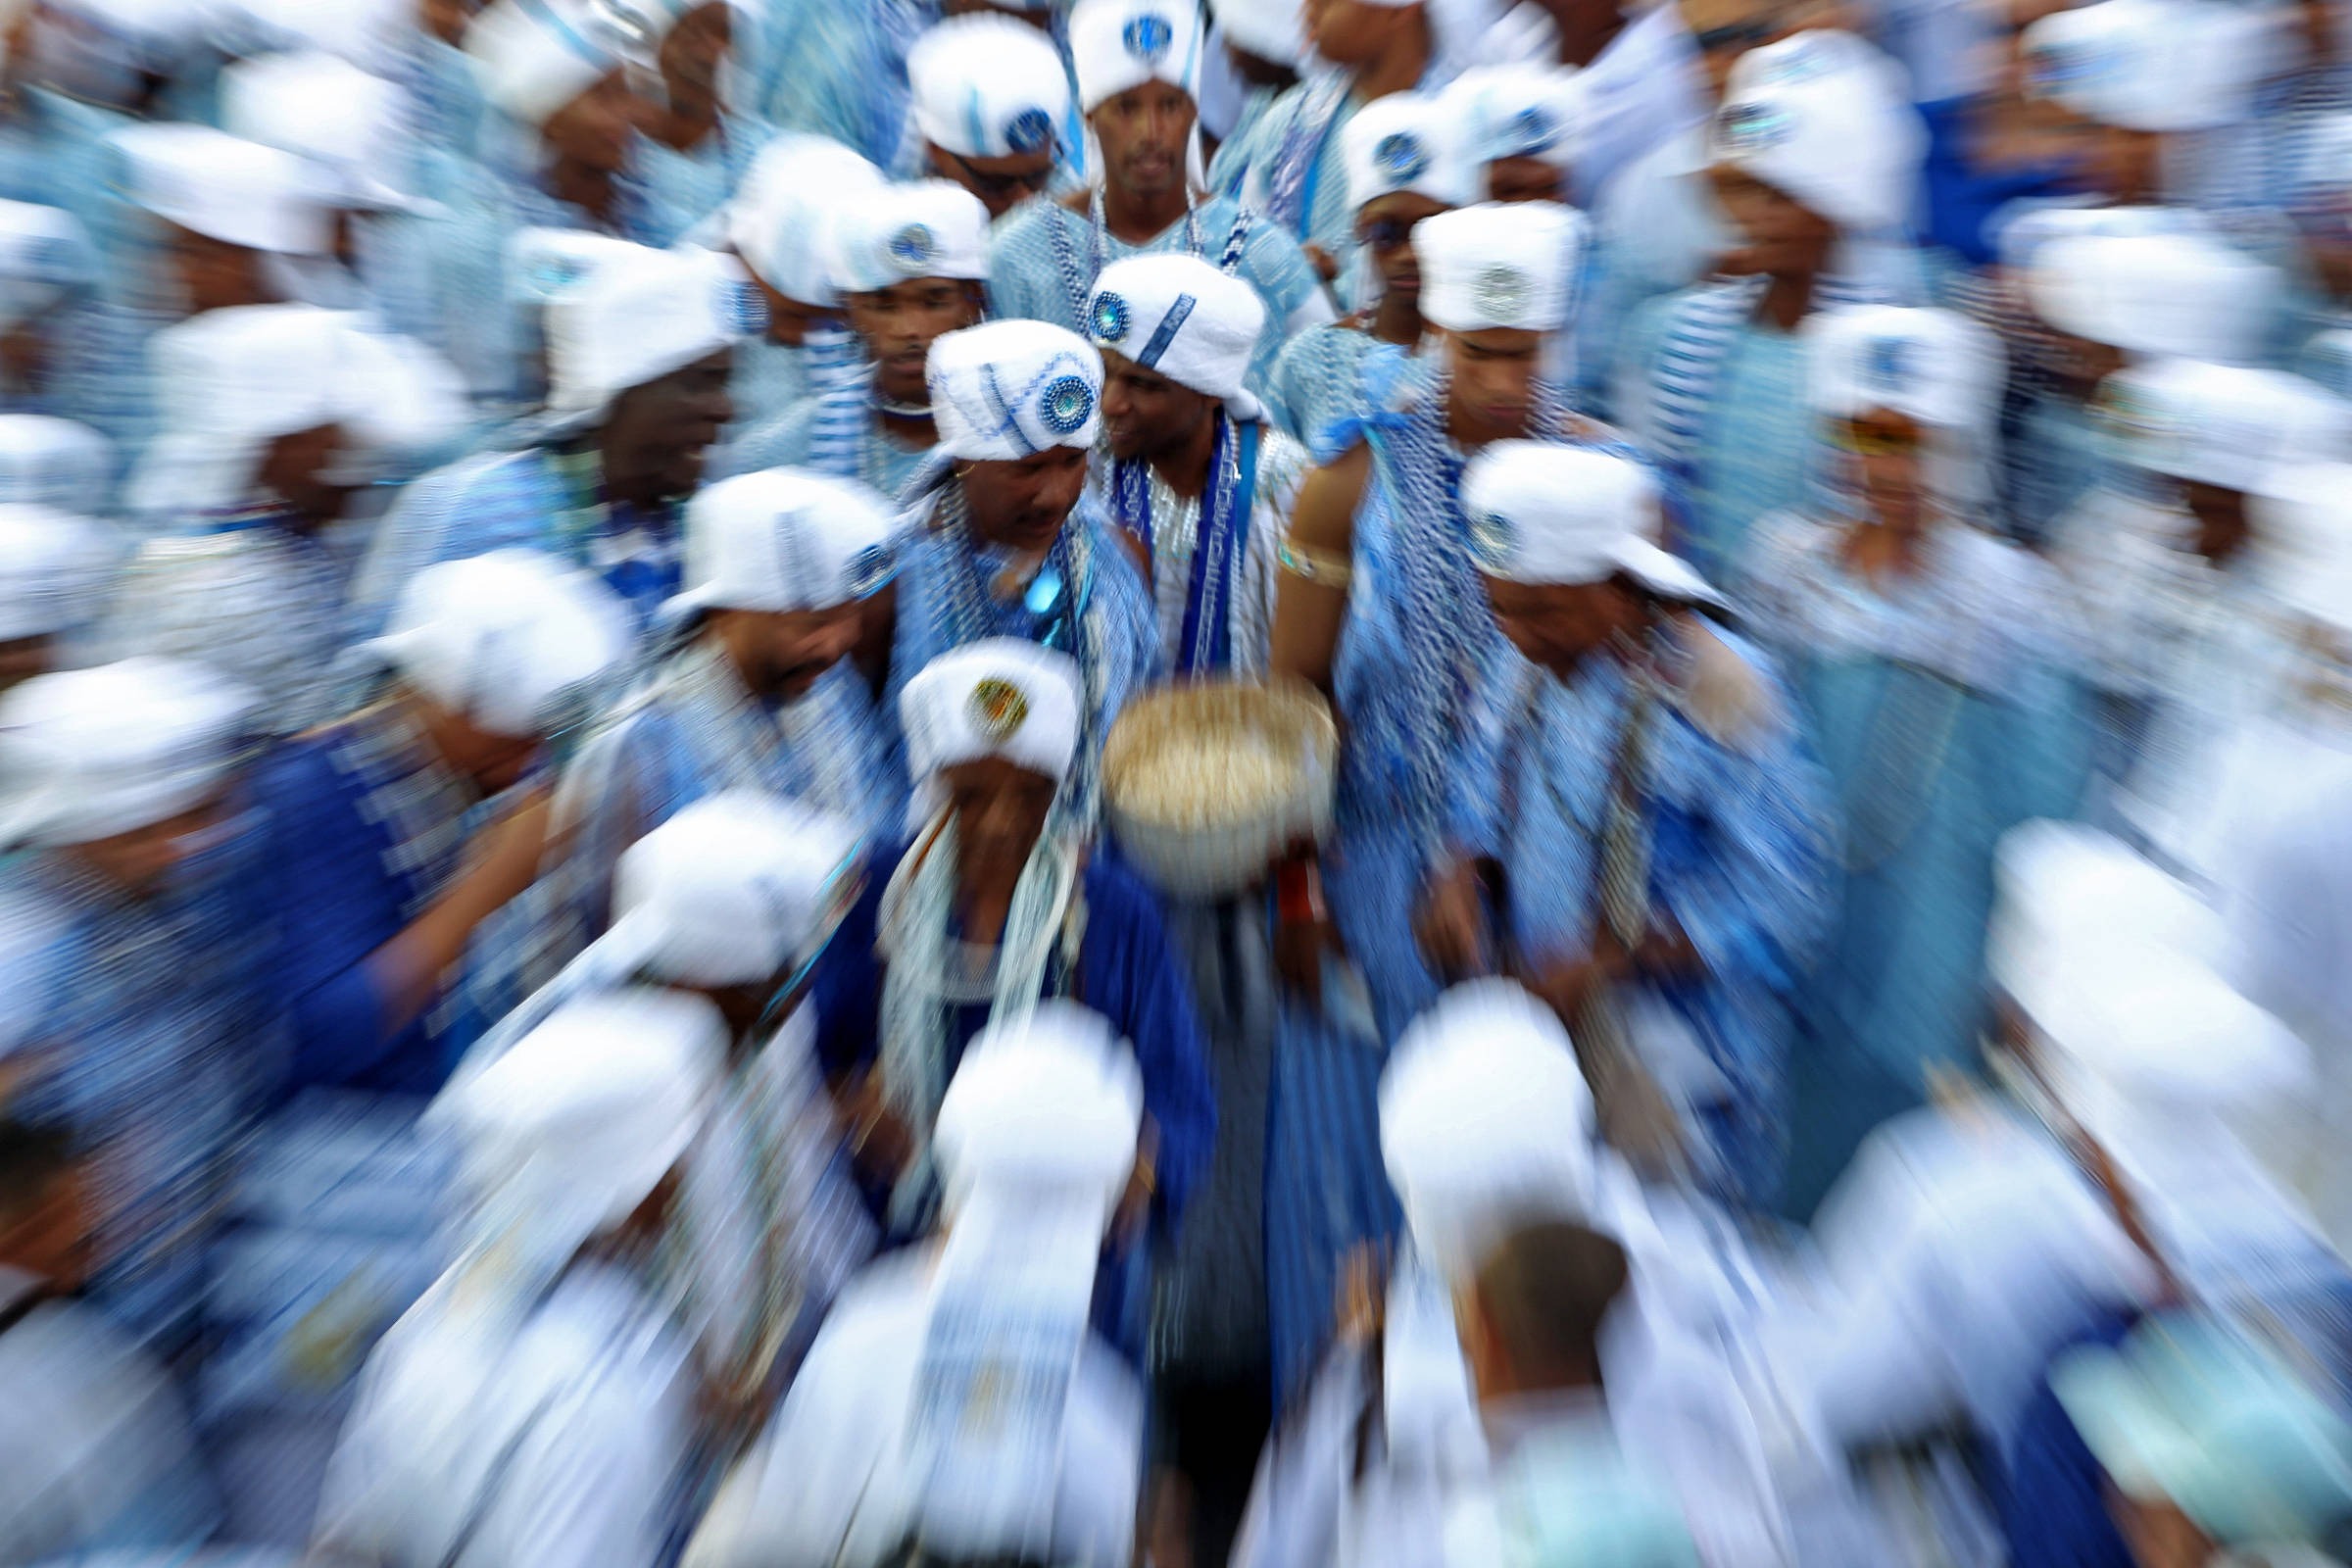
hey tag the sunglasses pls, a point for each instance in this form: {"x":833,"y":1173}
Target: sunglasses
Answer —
{"x":1870,"y":441}
{"x":1734,"y":35}
{"x":987,"y":185}
{"x":1385,"y":234}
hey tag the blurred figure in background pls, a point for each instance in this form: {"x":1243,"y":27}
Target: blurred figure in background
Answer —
{"x":779,"y":225}
{"x":1265,"y":51}
{"x":49,"y":281}
{"x":54,"y":567}
{"x":699,"y":136}
{"x":993,"y":105}
{"x":838,"y":69}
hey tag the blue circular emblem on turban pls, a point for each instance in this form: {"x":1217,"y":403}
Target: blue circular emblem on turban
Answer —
{"x":1149,"y":37}
{"x":1534,"y":131}
{"x":1492,"y":540}
{"x":869,"y":569}
{"x":1400,"y":156}
{"x":1066,"y":405}
{"x":1028,"y":130}
{"x":1112,"y":317}
{"x":912,"y":247}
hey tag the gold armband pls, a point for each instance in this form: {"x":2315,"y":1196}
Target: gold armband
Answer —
{"x":1314,"y":565}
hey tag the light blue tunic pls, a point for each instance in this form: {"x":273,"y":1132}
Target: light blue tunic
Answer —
{"x":1945,"y":715}
{"x":1314,"y":202}
{"x":682,"y":188}
{"x":1330,"y":375}
{"x":791,"y":440}
{"x":838,"y":69}
{"x":1045,"y":257}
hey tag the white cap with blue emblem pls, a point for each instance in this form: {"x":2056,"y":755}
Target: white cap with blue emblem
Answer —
{"x":1007,"y":390}
{"x":988,"y":88}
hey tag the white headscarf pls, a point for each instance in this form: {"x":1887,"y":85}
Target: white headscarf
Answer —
{"x":1000,"y":696}
{"x":1183,"y":318}
{"x":1410,"y":142}
{"x":1486,"y":1124}
{"x":1119,"y":45}
{"x":784,"y":539}
{"x":1529,"y":111}
{"x":87,"y":754}
{"x":535,"y":56}
{"x":1457,"y":29}
{"x":50,"y":461}
{"x":1271,"y":29}
{"x":1543,"y":513}
{"x":1823,"y":118}
{"x":923,"y":228}
{"x":348,"y":123}
{"x":2303,"y":523}
{"x":781,"y":222}
{"x":737,"y":889}
{"x":988,"y":86}
{"x":1007,"y":390}
{"x":2222,"y":425}
{"x":1499,"y":265}
{"x":53,"y":566}
{"x":1052,"y":1104}
{"x":45,"y":255}
{"x":233,"y":190}
{"x":2183,"y":295}
{"x":2153,"y":65}
{"x":514,"y":641}
{"x":641,"y":315}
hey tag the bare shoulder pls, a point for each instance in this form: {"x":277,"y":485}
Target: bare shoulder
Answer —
{"x":1325,"y":515}
{"x":1725,"y":690}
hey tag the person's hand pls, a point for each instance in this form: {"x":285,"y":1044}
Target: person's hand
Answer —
{"x":1363,"y":1303}
{"x":1451,"y":926}
{"x":1326,"y":266}
{"x":881,"y":1145}
{"x":504,"y":855}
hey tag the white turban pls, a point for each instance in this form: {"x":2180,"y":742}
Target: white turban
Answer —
{"x":230,"y":381}
{"x":2303,"y":527}
{"x":512,"y":641}
{"x":570,"y":1130}
{"x":87,"y":754}
{"x":53,"y":566}
{"x":233,"y":190}
{"x":53,"y":461}
{"x":2058,"y":886}
{"x":999,"y":696}
{"x":2153,"y":295}
{"x":1458,"y":29}
{"x":2326,"y":160}
{"x":2153,"y":65}
{"x":640,"y":316}
{"x":1007,"y":390}
{"x":1933,"y":367}
{"x":1181,"y":316}
{"x":1271,"y":29}
{"x":1823,"y":118}
{"x":988,"y":86}
{"x":349,"y":124}
{"x":2222,"y":425}
{"x":1410,"y":141}
{"x":1495,"y":266}
{"x":924,"y":228}
{"x":1521,"y":112}
{"x":1486,"y":1124}
{"x":372,"y":35}
{"x":1051,"y":1105}
{"x":781,"y":222}
{"x":543,"y":265}
{"x":1119,"y":45}
{"x":1543,"y":513}
{"x":535,"y":56}
{"x":784,"y":539}
{"x":737,"y":889}
{"x":44,"y":255}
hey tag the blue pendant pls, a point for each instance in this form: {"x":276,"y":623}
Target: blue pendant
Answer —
{"x":1044,"y":591}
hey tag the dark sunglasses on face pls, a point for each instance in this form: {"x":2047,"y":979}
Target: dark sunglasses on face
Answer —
{"x":1734,"y":35}
{"x":986,"y":186}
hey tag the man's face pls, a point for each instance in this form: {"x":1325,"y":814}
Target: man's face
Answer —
{"x":1350,"y":32}
{"x":141,"y":861}
{"x":215,"y":274}
{"x":594,"y":130}
{"x":1783,"y":238}
{"x":300,"y":469}
{"x":1523,"y":180}
{"x":666,"y":426}
{"x":1001,"y":183}
{"x":1385,"y":226}
{"x":1886,"y":450}
{"x":780,"y":653}
{"x":1144,"y":133}
{"x":1023,"y":504}
{"x":50,"y":1233}
{"x":2222,"y":528}
{"x":1556,"y":626}
{"x":1145,"y":413}
{"x":691,"y":55}
{"x":1000,"y":809}
{"x":1493,"y":390}
{"x":791,"y":320}
{"x":491,"y":760}
{"x":901,"y":322}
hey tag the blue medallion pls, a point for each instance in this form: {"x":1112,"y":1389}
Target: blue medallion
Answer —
{"x":1400,"y":156}
{"x":912,"y":249}
{"x":1028,"y":130}
{"x":1112,"y":317}
{"x":1149,"y":37}
{"x":1066,"y":403}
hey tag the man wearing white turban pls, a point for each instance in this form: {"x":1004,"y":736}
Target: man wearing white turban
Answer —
{"x":779,"y":225}
{"x":909,"y":263}
{"x":992,"y":105}
{"x":1815,"y":153}
{"x":1645,"y":77}
{"x":697,"y":141}
{"x":1890,"y":593}
{"x":132,"y":974}
{"x":1402,"y":651}
{"x":1017,"y":546}
{"x":640,"y":355}
{"x":1138,"y":70}
{"x":540,"y":1402}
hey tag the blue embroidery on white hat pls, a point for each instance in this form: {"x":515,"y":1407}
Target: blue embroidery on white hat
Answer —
{"x":741,"y":308}
{"x":1028,"y":130}
{"x":1493,"y":540}
{"x":1887,"y":366}
{"x":1066,"y":405}
{"x":1400,"y":156}
{"x":912,"y":249}
{"x":1745,"y":129}
{"x":1534,"y":129}
{"x":1502,"y":291}
{"x":1149,"y":37}
{"x":1110,"y":318}
{"x":1163,"y":336}
{"x":869,"y":569}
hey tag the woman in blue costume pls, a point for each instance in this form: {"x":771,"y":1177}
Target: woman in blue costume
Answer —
{"x":1813,"y":155}
{"x":1405,"y":162}
{"x":1378,"y":605}
{"x":996,"y":906}
{"x":1926,"y":653}
{"x":700,"y":140}
{"x":1136,"y":64}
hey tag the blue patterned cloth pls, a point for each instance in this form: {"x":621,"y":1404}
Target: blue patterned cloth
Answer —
{"x":445,"y":100}
{"x":682,"y":188}
{"x":1331,"y":375}
{"x":149,"y":1039}
{"x":838,"y":69}
{"x":1305,"y":126}
{"x":770,"y":380}
{"x":541,"y":498}
{"x":1740,"y":838}
{"x":1041,"y":266}
{"x":1946,"y":714}
{"x":795,"y":439}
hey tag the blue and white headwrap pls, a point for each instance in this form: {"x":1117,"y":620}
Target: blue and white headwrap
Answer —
{"x":1007,"y":390}
{"x":988,"y":88}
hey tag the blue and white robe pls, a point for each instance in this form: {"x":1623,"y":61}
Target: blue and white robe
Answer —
{"x":838,"y":69}
{"x":682,"y":188}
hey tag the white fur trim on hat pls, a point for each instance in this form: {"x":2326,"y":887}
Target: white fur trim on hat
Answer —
{"x":895,"y":233}
{"x":1119,"y":45}
{"x":737,"y":889}
{"x":2184,"y":295}
{"x":1409,"y":142}
{"x":535,"y":56}
{"x":781,"y":222}
{"x":87,"y":754}
{"x":999,"y":696}
{"x":1520,"y":112}
{"x":2153,"y":65}
{"x":639,"y":315}
{"x":2228,"y":426}
{"x":1543,"y":513}
{"x":1825,"y":118}
{"x":512,"y":640}
{"x":1933,"y":367}
{"x":785,"y":539}
{"x":233,"y":190}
